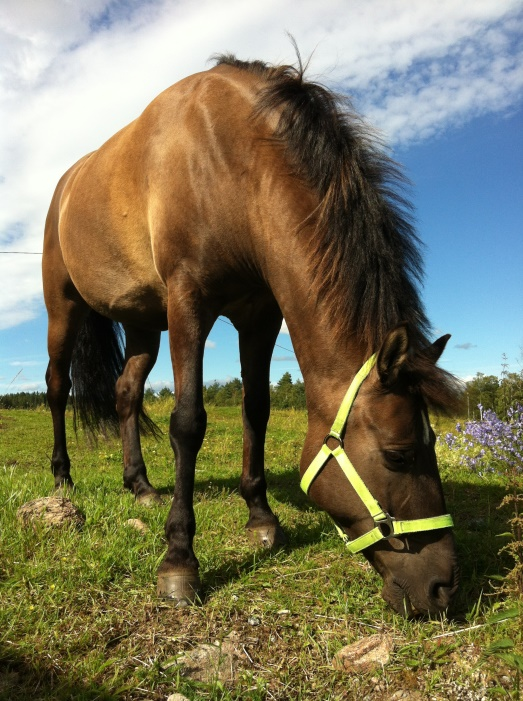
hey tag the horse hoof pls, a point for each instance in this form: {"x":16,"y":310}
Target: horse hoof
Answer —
{"x":269,"y":537}
{"x":181,"y":589}
{"x":64,"y":487}
{"x":149,"y":499}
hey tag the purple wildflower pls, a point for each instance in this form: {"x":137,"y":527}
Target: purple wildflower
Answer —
{"x":491,"y":441}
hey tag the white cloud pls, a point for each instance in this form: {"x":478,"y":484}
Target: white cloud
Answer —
{"x":210,"y":344}
{"x":26,"y":363}
{"x":73,"y":73}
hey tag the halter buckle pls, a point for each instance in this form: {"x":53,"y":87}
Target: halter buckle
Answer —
{"x":335,"y":436}
{"x":386,"y":526}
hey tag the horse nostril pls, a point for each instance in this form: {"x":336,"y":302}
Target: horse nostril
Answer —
{"x":440,"y":593}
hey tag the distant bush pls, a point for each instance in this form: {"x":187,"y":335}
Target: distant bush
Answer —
{"x":23,"y":400}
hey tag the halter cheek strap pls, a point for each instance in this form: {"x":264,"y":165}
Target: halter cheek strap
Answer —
{"x":385,"y":526}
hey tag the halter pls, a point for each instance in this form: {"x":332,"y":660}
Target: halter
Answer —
{"x":385,"y":525}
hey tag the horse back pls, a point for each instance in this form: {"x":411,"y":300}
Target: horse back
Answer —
{"x":174,"y":189}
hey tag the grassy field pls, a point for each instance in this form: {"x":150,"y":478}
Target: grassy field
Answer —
{"x":79,"y":617}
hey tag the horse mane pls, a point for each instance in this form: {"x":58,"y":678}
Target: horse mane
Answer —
{"x":365,"y":255}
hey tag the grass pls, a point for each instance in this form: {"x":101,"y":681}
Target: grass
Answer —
{"x":79,"y":617}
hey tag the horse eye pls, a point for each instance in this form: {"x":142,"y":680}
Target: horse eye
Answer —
{"x":398,"y":459}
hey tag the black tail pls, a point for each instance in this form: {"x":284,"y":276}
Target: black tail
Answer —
{"x":97,"y":363}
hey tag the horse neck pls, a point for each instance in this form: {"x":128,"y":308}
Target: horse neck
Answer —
{"x":328,"y":360}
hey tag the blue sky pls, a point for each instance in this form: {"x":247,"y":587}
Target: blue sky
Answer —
{"x":443,"y":83}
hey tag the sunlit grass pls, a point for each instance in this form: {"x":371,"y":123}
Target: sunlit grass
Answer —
{"x":79,"y":617}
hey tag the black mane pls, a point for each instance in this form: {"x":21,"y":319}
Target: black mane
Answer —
{"x":364,"y":252}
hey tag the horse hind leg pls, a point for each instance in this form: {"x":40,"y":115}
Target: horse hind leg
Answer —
{"x":65,"y":320}
{"x":257,"y":338}
{"x":141,"y":351}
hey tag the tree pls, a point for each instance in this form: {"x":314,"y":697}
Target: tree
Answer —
{"x":483,"y":389}
{"x":287,"y":395}
{"x":165,"y":393}
{"x":149,"y":395}
{"x":229,"y":394}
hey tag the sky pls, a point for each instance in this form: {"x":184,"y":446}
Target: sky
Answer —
{"x":442,"y":80}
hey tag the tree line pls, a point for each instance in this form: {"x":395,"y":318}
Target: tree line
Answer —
{"x":495,"y":393}
{"x":285,"y":394}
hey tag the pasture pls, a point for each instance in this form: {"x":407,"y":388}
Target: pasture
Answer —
{"x":79,"y":616}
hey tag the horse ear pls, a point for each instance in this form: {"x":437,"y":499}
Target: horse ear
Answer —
{"x":392,"y":355}
{"x":434,"y":351}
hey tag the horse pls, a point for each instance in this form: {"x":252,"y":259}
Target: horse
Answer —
{"x":251,"y":192}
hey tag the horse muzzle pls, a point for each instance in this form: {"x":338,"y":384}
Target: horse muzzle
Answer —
{"x":431,"y":597}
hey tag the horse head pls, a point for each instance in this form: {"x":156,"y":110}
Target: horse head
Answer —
{"x":377,"y":476}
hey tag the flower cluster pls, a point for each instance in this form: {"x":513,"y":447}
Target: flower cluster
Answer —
{"x":491,"y":444}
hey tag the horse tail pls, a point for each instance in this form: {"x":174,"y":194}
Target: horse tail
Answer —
{"x":97,"y":363}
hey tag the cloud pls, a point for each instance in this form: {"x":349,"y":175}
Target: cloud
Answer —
{"x":157,"y":385}
{"x":210,"y":344}
{"x":25,"y":387}
{"x":73,"y":73}
{"x":284,"y":358}
{"x":26,"y":363}
{"x":465,"y":346}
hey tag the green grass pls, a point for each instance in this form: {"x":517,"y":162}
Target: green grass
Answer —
{"x":79,"y":617}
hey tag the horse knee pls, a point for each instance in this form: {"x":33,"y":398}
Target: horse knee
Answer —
{"x":187,"y":427}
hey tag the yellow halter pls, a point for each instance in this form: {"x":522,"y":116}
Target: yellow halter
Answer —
{"x":385,"y":526}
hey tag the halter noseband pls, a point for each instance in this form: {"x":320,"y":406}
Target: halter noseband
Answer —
{"x":385,"y":525}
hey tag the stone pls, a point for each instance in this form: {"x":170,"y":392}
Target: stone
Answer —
{"x":365,"y":655}
{"x":177,"y":697}
{"x":53,"y":511}
{"x":210,"y":663}
{"x":137,"y":524}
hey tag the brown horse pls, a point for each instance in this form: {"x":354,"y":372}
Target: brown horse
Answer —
{"x":249,"y":192}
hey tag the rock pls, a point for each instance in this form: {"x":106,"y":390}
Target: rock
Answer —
{"x":210,"y":663}
{"x":53,"y":511}
{"x":365,"y":655}
{"x":137,"y":524}
{"x":177,"y":697}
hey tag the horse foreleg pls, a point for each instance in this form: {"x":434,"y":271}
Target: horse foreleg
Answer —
{"x":141,"y":351}
{"x":178,"y":578}
{"x":257,"y":338}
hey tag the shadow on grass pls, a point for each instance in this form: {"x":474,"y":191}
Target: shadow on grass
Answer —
{"x":19,"y":679}
{"x":283,"y":486}
{"x":474,"y":507}
{"x":478,"y":525}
